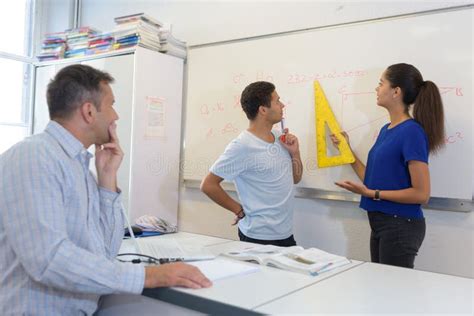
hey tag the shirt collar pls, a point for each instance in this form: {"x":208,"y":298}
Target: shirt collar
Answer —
{"x":71,"y":145}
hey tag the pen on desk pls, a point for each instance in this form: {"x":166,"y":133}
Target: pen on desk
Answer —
{"x":283,"y":135}
{"x":324,"y":267}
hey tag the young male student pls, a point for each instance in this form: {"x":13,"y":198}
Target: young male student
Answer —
{"x":263,"y":168}
{"x":60,"y":230}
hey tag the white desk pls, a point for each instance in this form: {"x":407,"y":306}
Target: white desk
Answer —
{"x":356,"y":288}
{"x":252,"y":290}
{"x":378,"y":289}
{"x":128,"y":304}
{"x":191,"y":239}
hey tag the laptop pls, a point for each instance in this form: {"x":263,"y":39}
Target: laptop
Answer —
{"x":169,"y":248}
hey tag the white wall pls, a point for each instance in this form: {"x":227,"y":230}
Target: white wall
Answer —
{"x":204,"y":21}
{"x":339,"y":227}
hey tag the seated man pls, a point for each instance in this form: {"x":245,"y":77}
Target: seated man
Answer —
{"x":264,"y":167}
{"x":60,"y":229}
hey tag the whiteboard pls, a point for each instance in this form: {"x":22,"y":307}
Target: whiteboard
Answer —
{"x":348,"y":61}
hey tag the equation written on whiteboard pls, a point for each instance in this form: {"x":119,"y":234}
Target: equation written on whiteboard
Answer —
{"x":297,"y":78}
{"x":207,"y":109}
{"x":227,"y":109}
{"x":226,"y":128}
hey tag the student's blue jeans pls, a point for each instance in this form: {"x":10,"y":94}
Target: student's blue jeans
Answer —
{"x":395,"y":240}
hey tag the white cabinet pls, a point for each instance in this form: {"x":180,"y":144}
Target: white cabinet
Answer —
{"x":148,"y":99}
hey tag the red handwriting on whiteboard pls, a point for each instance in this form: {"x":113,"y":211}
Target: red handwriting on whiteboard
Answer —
{"x":454,"y":138}
{"x":210,"y":133}
{"x":297,"y":78}
{"x":238,"y":78}
{"x":367,"y":124}
{"x":204,"y":110}
{"x":208,"y":109}
{"x":344,"y":94}
{"x":451,"y":90}
{"x":229,"y":128}
{"x":344,"y":97}
{"x":237,"y":101}
{"x":262,"y":76}
{"x":219,"y":107}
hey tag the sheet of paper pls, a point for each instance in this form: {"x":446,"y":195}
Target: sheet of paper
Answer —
{"x":220,"y":268}
{"x":155,"y":107}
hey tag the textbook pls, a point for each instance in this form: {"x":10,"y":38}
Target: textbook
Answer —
{"x":310,"y":261}
{"x":137,"y":17}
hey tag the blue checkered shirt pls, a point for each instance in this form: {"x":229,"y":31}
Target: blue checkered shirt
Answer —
{"x":59,"y":231}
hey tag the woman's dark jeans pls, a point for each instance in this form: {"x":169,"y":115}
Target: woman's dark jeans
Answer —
{"x":395,"y":240}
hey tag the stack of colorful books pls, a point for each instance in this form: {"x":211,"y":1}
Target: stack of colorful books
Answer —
{"x":54,"y":46}
{"x":137,"y":29}
{"x":78,"y":41}
{"x":101,"y":43}
{"x":131,"y":30}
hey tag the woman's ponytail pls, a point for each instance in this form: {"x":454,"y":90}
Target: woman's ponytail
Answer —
{"x":428,"y":111}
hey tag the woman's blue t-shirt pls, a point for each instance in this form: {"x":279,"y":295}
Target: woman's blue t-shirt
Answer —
{"x":387,"y":166}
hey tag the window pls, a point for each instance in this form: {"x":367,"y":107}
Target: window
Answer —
{"x":16,"y":29}
{"x":15,"y":23}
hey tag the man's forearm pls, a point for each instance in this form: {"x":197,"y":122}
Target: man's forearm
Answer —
{"x":108,"y":181}
{"x":297,"y":166}
{"x":218,"y":195}
{"x":112,"y":220}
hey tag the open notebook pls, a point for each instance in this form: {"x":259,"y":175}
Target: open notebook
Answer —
{"x":169,"y":248}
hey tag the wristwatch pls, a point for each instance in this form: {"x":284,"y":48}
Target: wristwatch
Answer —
{"x":377,"y":195}
{"x":239,"y":216}
{"x":241,"y":213}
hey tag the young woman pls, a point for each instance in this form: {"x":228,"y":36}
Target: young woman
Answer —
{"x":396,"y":178}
